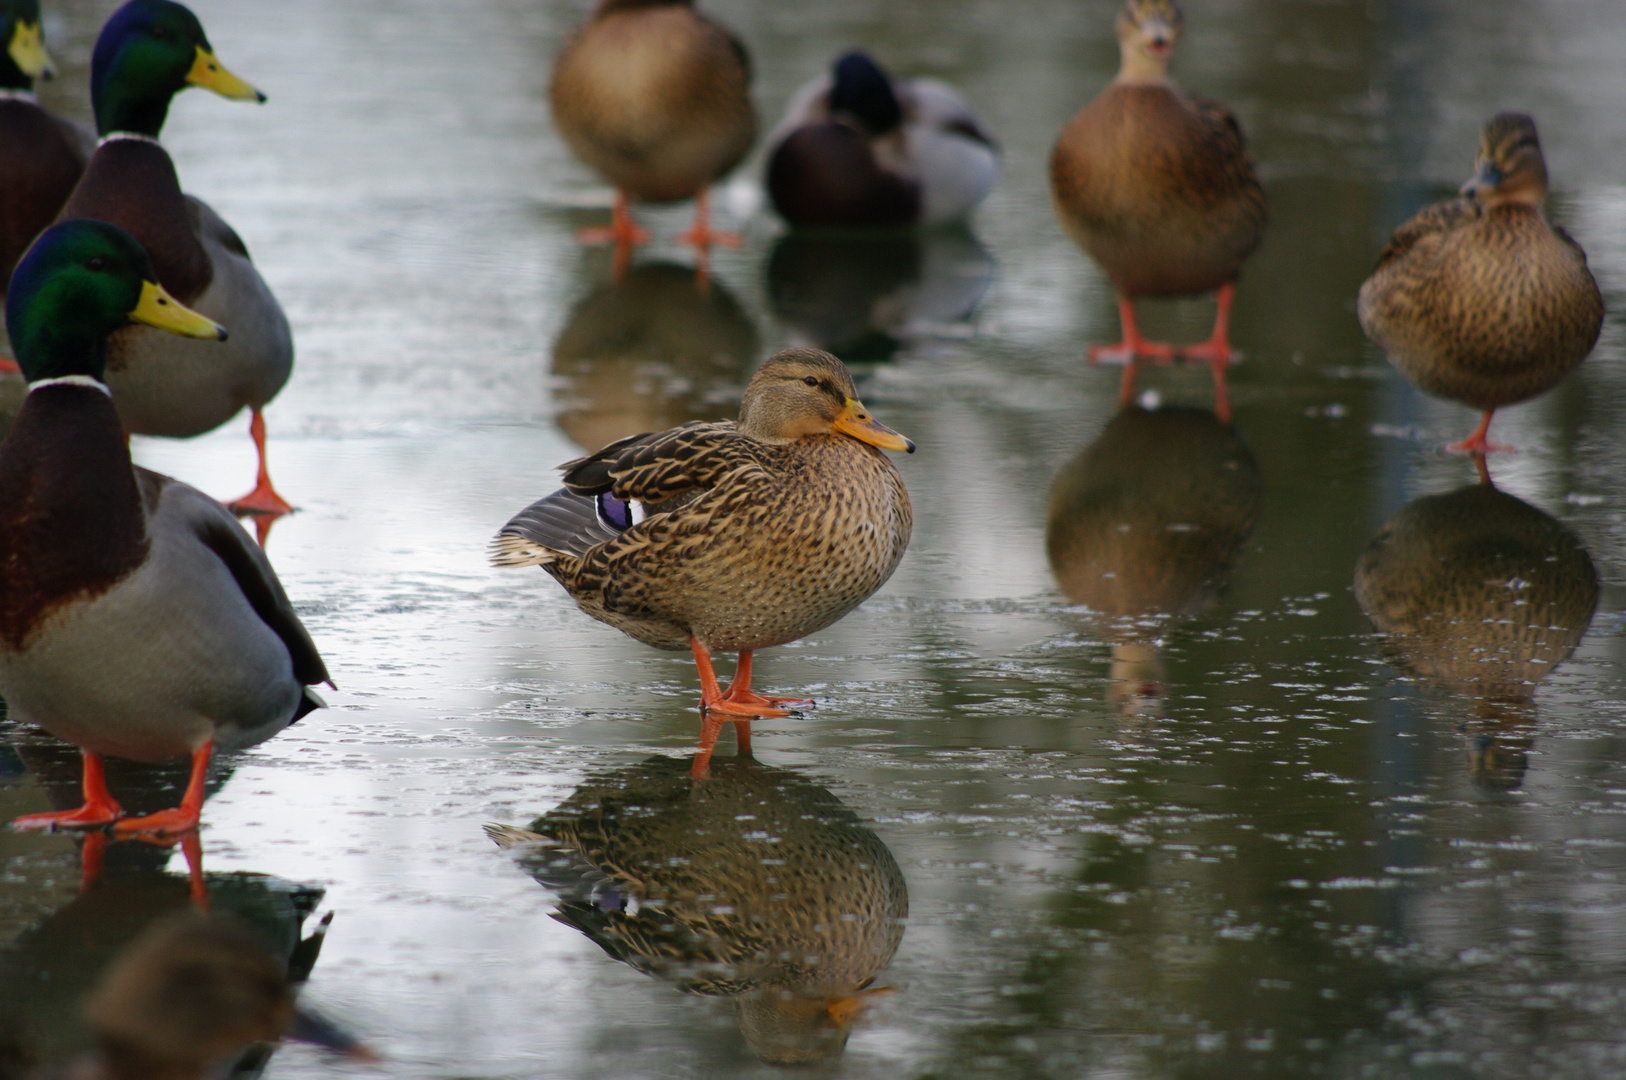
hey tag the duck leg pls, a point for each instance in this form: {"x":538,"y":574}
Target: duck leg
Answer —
{"x":183,"y":818}
{"x":99,"y":809}
{"x":712,"y":698}
{"x":701,"y":234}
{"x":1217,"y":350}
{"x":1477,"y":443}
{"x":1133,"y":347}
{"x":739,"y":690}
{"x":623,"y":231}
{"x":264,"y":498}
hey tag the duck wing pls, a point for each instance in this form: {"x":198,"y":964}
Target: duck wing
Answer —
{"x":1430,"y":222}
{"x":219,"y":531}
{"x":664,"y":465}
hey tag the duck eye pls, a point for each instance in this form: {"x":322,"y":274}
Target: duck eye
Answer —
{"x":811,"y":381}
{"x":159,"y":32}
{"x":96,"y":262}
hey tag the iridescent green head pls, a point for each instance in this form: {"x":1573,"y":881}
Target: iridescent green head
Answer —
{"x":80,"y":281}
{"x":25,"y":58}
{"x":149,"y":51}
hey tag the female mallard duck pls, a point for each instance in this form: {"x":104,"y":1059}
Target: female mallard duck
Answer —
{"x":1156,"y":186}
{"x":671,"y":877}
{"x":1479,"y":299}
{"x":41,"y":156}
{"x":655,"y":97}
{"x":136,"y":618}
{"x":729,"y":536}
{"x":149,"y":51}
{"x":857,"y":148}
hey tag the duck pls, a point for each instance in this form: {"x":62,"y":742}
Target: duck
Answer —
{"x":137,"y":619}
{"x":148,"y":51}
{"x":859,"y":149}
{"x":669,"y":876}
{"x":41,"y":156}
{"x":654,"y":96}
{"x":732,"y":536}
{"x":1156,"y":185}
{"x":1481,"y":299}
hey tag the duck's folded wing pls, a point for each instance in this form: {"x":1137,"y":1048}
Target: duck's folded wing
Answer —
{"x":218,"y":529}
{"x":1432,"y":221}
{"x":663,"y":465}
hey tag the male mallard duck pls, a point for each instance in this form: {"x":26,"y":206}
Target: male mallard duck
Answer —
{"x":136,"y":618}
{"x":41,"y":156}
{"x":655,"y":97}
{"x":674,"y":878}
{"x":148,"y":52}
{"x":1480,"y":299}
{"x":1156,"y":186}
{"x":858,"y":148}
{"x":729,"y":536}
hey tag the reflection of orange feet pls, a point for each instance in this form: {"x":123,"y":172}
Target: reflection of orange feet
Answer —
{"x":8,"y":366}
{"x":99,"y":809}
{"x":1477,"y":443}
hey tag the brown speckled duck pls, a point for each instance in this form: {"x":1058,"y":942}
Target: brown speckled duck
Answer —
{"x":1480,"y":299}
{"x":729,"y":536}
{"x":654,"y":96}
{"x":1156,"y":186}
{"x":674,"y":877}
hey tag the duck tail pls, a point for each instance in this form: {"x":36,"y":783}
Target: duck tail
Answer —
{"x":561,"y":527}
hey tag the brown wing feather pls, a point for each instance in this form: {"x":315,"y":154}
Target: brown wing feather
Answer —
{"x":660,"y":466}
{"x":1434,"y":220}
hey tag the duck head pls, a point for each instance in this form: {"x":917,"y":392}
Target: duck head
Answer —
{"x":800,"y":392}
{"x":80,"y":281}
{"x":25,"y":58}
{"x":862,"y":93}
{"x":149,"y":51}
{"x":784,"y":1027}
{"x":1147,"y":31}
{"x":1510,"y":168}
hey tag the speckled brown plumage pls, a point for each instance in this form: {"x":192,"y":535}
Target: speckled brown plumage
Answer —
{"x":654,"y":96}
{"x":1479,"y":299}
{"x":760,"y":531}
{"x":1478,"y":590}
{"x":755,"y":883}
{"x":1153,"y":183}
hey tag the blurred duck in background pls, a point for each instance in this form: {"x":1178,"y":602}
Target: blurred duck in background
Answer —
{"x":1480,"y":595}
{"x":136,"y":618}
{"x":148,"y":52}
{"x":732,"y":536}
{"x":1146,"y":524}
{"x":1156,"y":186}
{"x":755,"y":884}
{"x":41,"y":156}
{"x":654,"y":96}
{"x":859,"y":149}
{"x":1481,"y":299}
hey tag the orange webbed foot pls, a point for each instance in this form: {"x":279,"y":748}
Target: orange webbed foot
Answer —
{"x":163,"y":825}
{"x":743,"y":708}
{"x":1128,"y":351}
{"x":88,"y":816}
{"x":262,"y":500}
{"x":619,"y":234}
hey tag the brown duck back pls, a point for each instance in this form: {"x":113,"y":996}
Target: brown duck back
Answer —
{"x":39,"y":166}
{"x":1157,"y":188}
{"x":655,"y":99}
{"x":1485,"y":306}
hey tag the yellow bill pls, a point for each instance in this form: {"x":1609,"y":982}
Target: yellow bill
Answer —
{"x":27,"y":49}
{"x":157,"y":308}
{"x":856,"y":421}
{"x":211,"y":74}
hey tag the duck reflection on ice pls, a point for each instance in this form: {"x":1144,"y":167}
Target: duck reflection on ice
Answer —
{"x":130,"y":933}
{"x":656,"y":349}
{"x":1481,"y":595}
{"x":860,"y":295}
{"x":754,"y":884}
{"x":1147,"y":522}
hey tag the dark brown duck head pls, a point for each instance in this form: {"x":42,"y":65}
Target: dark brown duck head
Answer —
{"x":802,"y":392}
{"x":1147,"y":31}
{"x":1510,"y":168}
{"x":785,"y":1027}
